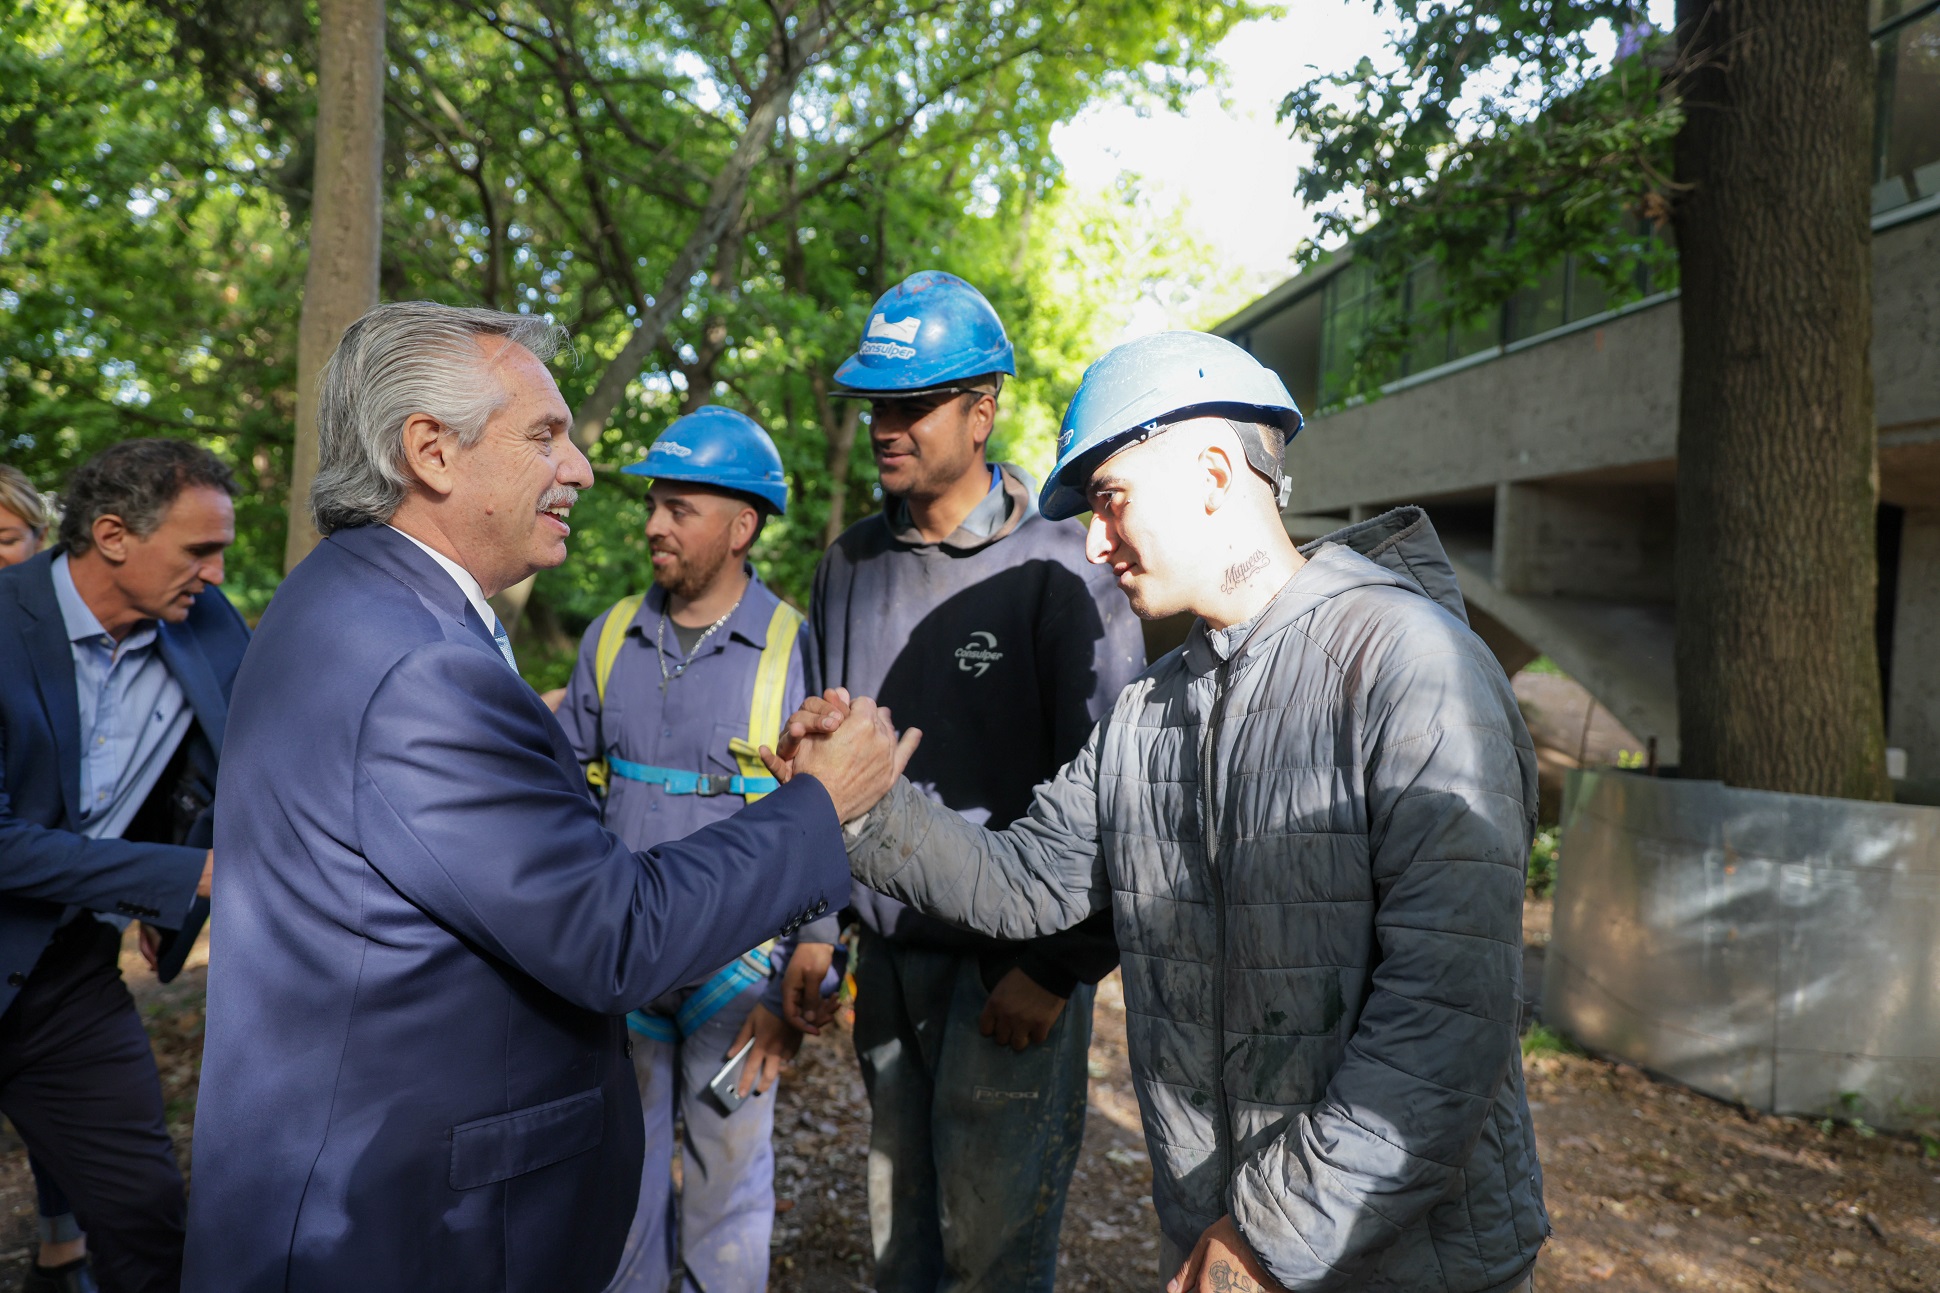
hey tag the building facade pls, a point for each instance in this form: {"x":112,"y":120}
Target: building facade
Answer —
{"x":1544,"y":442}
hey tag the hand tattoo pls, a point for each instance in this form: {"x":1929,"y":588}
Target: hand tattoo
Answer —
{"x":1240,"y":572}
{"x":1222,"y":1278}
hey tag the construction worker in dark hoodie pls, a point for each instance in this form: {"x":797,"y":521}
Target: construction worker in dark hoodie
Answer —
{"x":1310,"y":824}
{"x":973,"y":617}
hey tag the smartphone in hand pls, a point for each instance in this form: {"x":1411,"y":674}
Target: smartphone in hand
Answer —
{"x":726,"y":1084}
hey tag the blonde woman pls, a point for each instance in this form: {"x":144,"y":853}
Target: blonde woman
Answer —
{"x":61,"y":1264}
{"x":23,"y":517}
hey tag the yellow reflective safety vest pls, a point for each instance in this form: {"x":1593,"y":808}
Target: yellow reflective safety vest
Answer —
{"x":764,"y":701}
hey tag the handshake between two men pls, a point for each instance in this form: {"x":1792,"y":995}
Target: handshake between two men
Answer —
{"x":856,"y":762}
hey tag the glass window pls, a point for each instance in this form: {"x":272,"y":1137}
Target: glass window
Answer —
{"x":1588,"y":294}
{"x":1351,"y":309}
{"x":1474,"y":335}
{"x":1886,"y":10}
{"x":1540,"y":307}
{"x":1428,"y":342}
{"x":1341,"y":328}
{"x":1909,"y":114}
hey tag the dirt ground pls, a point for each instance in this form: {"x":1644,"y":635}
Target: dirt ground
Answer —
{"x":1649,"y":1186}
{"x":1110,"y":1238}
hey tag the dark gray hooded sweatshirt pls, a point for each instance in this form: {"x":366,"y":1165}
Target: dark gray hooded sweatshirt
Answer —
{"x":1312,"y":833}
{"x":1005,"y":646}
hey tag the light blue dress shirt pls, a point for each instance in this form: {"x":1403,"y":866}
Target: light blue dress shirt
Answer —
{"x":133,"y":712}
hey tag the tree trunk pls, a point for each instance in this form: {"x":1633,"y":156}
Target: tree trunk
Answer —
{"x":839,"y":429}
{"x":1777,"y":483}
{"x":346,"y":223}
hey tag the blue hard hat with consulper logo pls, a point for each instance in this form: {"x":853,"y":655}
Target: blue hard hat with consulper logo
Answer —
{"x":927,"y":331}
{"x":1140,"y":388}
{"x":719,"y":447}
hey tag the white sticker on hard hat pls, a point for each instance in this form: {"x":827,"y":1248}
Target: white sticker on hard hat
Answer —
{"x":674,"y":447}
{"x":904,"y":330}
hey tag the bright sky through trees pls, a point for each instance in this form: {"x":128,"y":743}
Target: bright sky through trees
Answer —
{"x":1225,"y":159}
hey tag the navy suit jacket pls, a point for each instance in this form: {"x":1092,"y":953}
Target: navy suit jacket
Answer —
{"x":45,"y":863}
{"x":415,"y":1074}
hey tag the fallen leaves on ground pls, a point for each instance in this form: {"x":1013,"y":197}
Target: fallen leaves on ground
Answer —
{"x":1650,"y":1187}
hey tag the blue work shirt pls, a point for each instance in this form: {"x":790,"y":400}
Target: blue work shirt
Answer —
{"x":686,"y":726}
{"x":133,"y":713}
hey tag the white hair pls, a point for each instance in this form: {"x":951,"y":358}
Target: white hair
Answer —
{"x":401,"y":359}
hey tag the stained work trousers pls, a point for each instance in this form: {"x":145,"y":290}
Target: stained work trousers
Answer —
{"x":972,"y":1144}
{"x":717,"y":1227}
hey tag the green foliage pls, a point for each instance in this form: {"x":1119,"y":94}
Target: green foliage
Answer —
{"x":1491,"y":143}
{"x":146,"y":281}
{"x":1541,"y":1041}
{"x":549,"y":158}
{"x":1544,"y":665}
{"x":1848,"y":1108}
{"x":1544,"y":851}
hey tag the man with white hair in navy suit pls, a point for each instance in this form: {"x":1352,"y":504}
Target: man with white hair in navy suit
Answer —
{"x":416,"y":1071}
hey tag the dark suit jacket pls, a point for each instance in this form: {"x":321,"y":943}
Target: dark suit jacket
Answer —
{"x":415,"y":1075}
{"x":45,"y":864}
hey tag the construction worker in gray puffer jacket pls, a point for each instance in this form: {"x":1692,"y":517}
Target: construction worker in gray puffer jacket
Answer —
{"x":1311,"y":824}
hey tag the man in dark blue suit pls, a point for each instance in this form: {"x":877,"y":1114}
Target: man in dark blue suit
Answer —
{"x":120,"y":654}
{"x":415,"y":1074}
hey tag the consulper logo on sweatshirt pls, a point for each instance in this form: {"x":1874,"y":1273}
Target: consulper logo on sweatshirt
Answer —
{"x":979,"y":654}
{"x":903,"y":330}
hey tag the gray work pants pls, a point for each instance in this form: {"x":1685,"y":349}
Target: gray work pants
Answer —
{"x":971,"y":1144}
{"x":725,"y":1210}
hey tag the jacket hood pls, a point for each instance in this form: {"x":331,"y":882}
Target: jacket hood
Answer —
{"x":1020,"y":504}
{"x":1404,"y":543}
{"x":1398,"y":549}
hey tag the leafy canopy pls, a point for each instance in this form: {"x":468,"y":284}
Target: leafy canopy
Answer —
{"x":548,"y":156}
{"x":1494,"y":139}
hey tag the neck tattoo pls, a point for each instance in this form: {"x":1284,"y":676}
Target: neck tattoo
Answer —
{"x":1241,"y":571}
{"x":660,"y":642}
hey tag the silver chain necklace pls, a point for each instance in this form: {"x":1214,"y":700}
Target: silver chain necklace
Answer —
{"x":660,"y":642}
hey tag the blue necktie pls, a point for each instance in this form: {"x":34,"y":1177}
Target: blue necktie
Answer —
{"x":504,"y":645}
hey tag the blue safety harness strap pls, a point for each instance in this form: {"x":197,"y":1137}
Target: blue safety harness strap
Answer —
{"x":736,"y":977}
{"x":676,"y":782}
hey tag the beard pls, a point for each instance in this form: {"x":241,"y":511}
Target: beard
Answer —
{"x":692,"y":572}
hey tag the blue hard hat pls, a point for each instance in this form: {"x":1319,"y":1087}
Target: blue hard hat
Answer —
{"x":718,"y":447}
{"x":930,"y":329}
{"x":1141,"y":387}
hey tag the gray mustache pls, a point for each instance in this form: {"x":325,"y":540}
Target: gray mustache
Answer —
{"x":558,"y":496}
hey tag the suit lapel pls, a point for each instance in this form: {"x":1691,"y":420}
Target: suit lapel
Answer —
{"x":469,"y":614}
{"x":43,"y":634}
{"x":406,"y":562}
{"x":183,"y":655}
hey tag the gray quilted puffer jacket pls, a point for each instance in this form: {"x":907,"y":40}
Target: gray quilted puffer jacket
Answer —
{"x":1312,"y":833}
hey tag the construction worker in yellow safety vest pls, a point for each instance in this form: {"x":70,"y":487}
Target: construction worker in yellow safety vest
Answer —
{"x":673,"y":693}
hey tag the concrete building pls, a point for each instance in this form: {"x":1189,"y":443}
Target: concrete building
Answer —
{"x":1544,"y":447}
